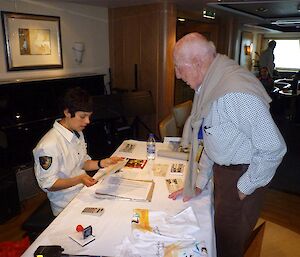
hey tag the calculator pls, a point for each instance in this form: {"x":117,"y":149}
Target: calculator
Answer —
{"x":93,"y":211}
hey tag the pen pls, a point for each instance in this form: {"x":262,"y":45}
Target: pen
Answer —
{"x":110,"y":196}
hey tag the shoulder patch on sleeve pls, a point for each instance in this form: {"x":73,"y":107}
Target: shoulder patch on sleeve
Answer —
{"x":45,"y":162}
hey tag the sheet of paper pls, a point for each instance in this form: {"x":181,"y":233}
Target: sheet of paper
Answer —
{"x":119,"y":188}
{"x":177,"y":169}
{"x":160,"y":169}
{"x":127,"y":147}
{"x":174,"y":184}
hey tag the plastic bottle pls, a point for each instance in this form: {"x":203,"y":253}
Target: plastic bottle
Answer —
{"x":151,"y":147}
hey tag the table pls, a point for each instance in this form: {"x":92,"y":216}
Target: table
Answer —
{"x":287,"y":102}
{"x":114,"y":225}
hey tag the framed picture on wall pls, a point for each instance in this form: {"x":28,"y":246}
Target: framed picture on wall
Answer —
{"x":32,"y":41}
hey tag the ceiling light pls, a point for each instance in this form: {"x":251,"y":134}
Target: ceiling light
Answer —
{"x":262,"y":9}
{"x":286,"y":23}
{"x":181,"y":19}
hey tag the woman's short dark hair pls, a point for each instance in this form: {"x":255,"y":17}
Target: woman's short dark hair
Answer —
{"x":77,"y":99}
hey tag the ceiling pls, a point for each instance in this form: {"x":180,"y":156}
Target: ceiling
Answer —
{"x":281,"y":15}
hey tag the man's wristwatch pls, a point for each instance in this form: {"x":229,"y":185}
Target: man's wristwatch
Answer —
{"x":99,"y":165}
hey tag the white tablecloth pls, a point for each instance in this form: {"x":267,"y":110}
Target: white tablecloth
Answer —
{"x":115,"y":224}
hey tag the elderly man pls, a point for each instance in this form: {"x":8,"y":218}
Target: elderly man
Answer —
{"x":242,"y":145}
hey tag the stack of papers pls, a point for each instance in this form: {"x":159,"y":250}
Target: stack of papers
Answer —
{"x":125,"y":189}
{"x":175,"y":150}
{"x":110,"y":169}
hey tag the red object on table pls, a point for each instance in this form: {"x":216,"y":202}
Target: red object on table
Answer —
{"x":79,"y":228}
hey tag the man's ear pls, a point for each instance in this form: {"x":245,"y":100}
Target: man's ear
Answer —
{"x":67,"y":113}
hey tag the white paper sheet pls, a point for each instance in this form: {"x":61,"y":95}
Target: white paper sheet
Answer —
{"x":119,"y":188}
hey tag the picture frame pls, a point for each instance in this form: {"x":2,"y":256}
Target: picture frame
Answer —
{"x":32,"y":41}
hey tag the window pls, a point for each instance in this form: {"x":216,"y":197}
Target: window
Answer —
{"x":287,"y":54}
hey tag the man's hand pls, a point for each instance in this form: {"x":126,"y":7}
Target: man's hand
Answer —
{"x":110,"y":161}
{"x":87,"y":180}
{"x":179,"y":192}
{"x":241,"y":195}
{"x":175,"y":194}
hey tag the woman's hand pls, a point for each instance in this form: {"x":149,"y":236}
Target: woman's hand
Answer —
{"x":179,"y":192}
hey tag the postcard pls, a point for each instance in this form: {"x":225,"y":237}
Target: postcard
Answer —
{"x":127,"y":148}
{"x":136,"y":163}
{"x":174,"y":184}
{"x":177,"y":168}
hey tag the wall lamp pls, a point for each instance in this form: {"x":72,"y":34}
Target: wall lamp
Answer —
{"x":78,"y":49}
{"x":248,"y":49}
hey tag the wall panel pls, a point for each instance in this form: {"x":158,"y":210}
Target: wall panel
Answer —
{"x":148,"y":36}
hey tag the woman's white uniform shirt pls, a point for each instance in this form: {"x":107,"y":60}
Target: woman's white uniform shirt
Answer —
{"x":60,"y":154}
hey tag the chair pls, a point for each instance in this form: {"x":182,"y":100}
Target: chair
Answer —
{"x":253,"y":247}
{"x":38,"y":221}
{"x":181,"y":113}
{"x":167,"y":127}
{"x":14,"y":248}
{"x":135,"y":105}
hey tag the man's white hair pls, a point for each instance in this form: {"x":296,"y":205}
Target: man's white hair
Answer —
{"x":194,"y":47}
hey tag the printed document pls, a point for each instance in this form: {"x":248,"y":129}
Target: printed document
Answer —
{"x":125,"y":189}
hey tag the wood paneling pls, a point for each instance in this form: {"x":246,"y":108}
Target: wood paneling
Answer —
{"x":246,"y":40}
{"x":209,"y":30}
{"x":144,"y":36}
